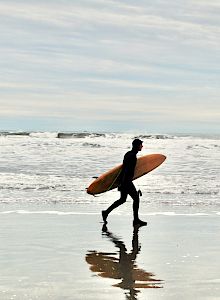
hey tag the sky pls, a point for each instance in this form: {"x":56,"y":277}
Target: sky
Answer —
{"x":105,"y":65}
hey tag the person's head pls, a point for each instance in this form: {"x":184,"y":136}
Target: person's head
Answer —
{"x":137,"y":144}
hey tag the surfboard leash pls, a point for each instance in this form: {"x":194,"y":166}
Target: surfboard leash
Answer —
{"x":114,"y":181}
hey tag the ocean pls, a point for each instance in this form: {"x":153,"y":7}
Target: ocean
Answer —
{"x":53,"y":242}
{"x":54,"y":168}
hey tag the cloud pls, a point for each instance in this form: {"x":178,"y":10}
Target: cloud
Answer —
{"x":107,"y":16}
{"x":110,"y":60}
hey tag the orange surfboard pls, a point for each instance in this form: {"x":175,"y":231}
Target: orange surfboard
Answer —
{"x":110,"y":179}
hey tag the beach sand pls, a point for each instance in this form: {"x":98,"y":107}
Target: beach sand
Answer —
{"x":61,"y":256}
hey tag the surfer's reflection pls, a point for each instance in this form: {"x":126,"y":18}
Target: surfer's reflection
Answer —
{"x":124,"y":268}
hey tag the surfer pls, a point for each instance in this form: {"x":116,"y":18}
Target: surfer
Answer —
{"x":126,"y":186}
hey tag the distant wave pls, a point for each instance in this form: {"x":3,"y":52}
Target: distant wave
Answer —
{"x":59,"y":135}
{"x":29,"y":134}
{"x":155,"y":136}
{"x":80,"y":135}
{"x":109,"y":135}
{"x":63,"y":135}
{"x":11,"y":133}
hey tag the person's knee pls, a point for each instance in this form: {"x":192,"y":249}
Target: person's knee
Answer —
{"x":136,"y":199}
{"x":122,"y":201}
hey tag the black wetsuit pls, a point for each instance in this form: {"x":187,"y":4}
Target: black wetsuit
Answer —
{"x":126,"y":185}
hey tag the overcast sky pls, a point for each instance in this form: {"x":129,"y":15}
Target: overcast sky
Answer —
{"x":146,"y":65}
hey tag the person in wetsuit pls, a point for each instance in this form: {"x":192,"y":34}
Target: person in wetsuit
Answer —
{"x":126,"y":185}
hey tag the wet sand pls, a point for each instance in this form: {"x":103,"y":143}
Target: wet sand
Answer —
{"x":72,"y":256}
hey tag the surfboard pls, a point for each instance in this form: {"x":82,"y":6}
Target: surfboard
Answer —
{"x":110,"y":179}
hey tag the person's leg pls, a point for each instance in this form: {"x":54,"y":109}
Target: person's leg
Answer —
{"x":117,"y":203}
{"x":136,"y":200}
{"x":134,"y":195}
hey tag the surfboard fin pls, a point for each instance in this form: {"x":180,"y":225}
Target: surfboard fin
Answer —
{"x":139,"y":193}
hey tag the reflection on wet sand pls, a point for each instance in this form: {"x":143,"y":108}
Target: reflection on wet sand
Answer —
{"x":123,"y":268}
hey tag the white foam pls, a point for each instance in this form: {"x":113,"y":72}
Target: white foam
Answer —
{"x":63,"y":213}
{"x":44,"y":134}
{"x":47,"y":212}
{"x":171,"y":213}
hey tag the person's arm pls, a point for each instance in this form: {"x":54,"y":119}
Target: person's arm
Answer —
{"x":129,"y":164}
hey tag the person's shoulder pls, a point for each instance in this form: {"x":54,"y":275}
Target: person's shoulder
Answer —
{"x":129,"y":154}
